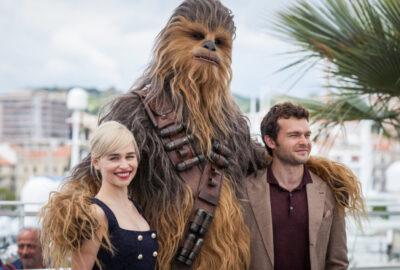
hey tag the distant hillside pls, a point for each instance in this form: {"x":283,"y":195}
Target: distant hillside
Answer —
{"x":96,"y":100}
{"x":99,"y":98}
{"x":243,"y":102}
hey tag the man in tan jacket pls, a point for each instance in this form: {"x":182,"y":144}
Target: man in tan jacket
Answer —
{"x":292,"y":214}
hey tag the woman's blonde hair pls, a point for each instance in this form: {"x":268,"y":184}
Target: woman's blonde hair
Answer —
{"x":110,"y":137}
{"x":67,"y":218}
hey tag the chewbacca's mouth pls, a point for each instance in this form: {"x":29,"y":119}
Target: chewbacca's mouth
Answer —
{"x":207,"y":58}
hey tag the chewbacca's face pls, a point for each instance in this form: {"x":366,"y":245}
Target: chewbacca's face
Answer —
{"x":207,"y":48}
{"x":193,"y":56}
{"x":191,"y":47}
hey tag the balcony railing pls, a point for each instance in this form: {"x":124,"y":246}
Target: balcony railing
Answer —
{"x":378,"y":222}
{"x":18,"y":209}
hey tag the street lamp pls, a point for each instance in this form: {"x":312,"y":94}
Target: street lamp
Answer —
{"x":77,"y":101}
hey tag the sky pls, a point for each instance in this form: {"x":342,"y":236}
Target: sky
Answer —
{"x":103,"y":43}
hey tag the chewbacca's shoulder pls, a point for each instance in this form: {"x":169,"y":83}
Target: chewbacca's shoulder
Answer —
{"x":123,"y":108}
{"x":129,"y":99}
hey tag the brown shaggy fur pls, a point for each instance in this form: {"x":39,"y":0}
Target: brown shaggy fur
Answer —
{"x":199,"y":94}
{"x":67,"y":221}
{"x":343,"y":182}
{"x":202,"y":89}
{"x":229,"y":224}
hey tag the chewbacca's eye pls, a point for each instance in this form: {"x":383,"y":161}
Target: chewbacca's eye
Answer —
{"x":218,"y":41}
{"x":197,"y":36}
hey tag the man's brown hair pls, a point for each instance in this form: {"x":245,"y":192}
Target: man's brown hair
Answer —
{"x":286,"y":110}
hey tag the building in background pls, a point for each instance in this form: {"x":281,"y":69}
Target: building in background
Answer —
{"x":18,"y":164}
{"x":40,"y":162}
{"x":33,"y":116}
{"x":8,"y":163}
{"x":36,"y":130}
{"x":7,"y":174}
{"x":366,"y":153}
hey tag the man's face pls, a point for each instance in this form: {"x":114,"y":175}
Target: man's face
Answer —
{"x":293,"y":144}
{"x":29,"y":249}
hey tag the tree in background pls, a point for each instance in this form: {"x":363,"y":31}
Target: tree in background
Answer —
{"x":358,"y":44}
{"x":6,"y":195}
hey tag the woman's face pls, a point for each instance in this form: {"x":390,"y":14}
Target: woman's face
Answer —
{"x":118,"y":168}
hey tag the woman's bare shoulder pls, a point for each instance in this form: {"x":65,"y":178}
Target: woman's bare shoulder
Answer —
{"x":98,"y":213}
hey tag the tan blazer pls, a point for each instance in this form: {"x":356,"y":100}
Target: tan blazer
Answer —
{"x":327,"y":229}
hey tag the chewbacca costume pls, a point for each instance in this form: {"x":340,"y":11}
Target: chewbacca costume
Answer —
{"x":187,"y":84}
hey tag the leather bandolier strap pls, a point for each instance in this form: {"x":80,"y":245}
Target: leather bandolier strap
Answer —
{"x":203,"y":177}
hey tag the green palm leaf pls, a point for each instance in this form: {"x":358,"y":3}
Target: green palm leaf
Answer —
{"x":338,"y":109}
{"x":360,"y":41}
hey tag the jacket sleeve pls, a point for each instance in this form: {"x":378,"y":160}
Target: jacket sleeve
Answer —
{"x":336,"y":256}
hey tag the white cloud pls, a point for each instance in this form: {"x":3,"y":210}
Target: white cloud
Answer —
{"x":81,"y":52}
{"x":108,"y":43}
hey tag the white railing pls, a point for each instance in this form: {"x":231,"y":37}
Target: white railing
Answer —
{"x":390,"y":220}
{"x":19,"y":210}
{"x":376,"y":268}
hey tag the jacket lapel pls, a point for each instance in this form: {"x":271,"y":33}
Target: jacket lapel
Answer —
{"x":316,"y":200}
{"x":259,"y":197}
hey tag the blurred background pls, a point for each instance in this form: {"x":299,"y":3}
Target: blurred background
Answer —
{"x":61,"y":61}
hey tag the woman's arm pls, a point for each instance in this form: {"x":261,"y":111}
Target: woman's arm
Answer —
{"x":85,"y":258}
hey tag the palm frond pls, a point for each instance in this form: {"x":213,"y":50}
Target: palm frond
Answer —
{"x":359,"y":40}
{"x":355,"y":38}
{"x":338,"y":109}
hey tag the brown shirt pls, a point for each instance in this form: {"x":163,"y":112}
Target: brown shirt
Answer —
{"x":290,"y":224}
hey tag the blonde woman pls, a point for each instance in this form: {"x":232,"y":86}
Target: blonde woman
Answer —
{"x":102,"y":229}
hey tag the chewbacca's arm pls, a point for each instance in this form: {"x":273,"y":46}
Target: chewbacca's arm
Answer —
{"x":123,"y":109}
{"x":260,"y":154}
{"x":344,"y":184}
{"x":67,"y":220}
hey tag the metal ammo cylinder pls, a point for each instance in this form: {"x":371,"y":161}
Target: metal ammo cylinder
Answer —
{"x":194,"y":240}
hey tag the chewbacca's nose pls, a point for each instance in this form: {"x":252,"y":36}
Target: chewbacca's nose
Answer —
{"x":210,"y":45}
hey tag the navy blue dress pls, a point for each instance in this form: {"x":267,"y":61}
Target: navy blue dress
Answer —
{"x":133,"y":249}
